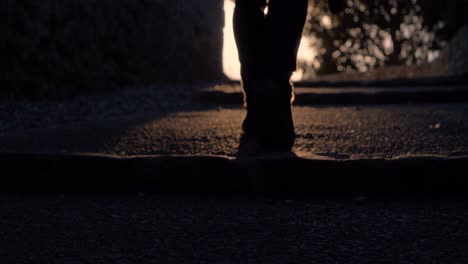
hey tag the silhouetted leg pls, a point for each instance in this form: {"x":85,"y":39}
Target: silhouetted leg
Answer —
{"x":285,"y":22}
{"x":267,"y":51}
{"x":249,"y":33}
{"x":284,"y":25}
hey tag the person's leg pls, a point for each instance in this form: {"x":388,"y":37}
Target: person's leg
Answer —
{"x":285,"y":22}
{"x":267,"y":52}
{"x":284,"y":25}
{"x":249,"y":33}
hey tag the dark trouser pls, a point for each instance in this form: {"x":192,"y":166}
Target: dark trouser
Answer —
{"x":268,"y":44}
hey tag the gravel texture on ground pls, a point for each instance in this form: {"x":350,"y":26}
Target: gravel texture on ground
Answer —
{"x":145,"y":228}
{"x":167,"y":120}
{"x":25,"y":114}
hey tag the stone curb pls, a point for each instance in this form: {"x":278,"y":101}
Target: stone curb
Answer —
{"x":221,"y":176}
{"x":350,"y":98}
{"x":414,"y":82}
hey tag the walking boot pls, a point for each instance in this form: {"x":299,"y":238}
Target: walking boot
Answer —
{"x":268,"y":125}
{"x":279,"y":121}
{"x":253,"y":126}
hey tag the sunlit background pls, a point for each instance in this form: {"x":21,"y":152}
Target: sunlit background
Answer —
{"x":367,"y":35}
{"x":231,"y":64}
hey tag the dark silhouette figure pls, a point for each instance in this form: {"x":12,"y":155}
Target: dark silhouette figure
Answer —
{"x":268,"y":45}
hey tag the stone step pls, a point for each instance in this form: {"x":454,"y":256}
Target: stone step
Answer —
{"x":274,"y":175}
{"x":311,"y":96}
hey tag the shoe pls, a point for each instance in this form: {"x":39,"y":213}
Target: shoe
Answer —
{"x":280,"y":125}
{"x":268,"y":125}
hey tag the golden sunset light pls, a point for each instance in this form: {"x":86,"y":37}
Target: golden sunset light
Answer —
{"x":231,"y":64}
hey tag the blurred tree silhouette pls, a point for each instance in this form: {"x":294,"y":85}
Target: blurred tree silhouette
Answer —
{"x":373,"y":33}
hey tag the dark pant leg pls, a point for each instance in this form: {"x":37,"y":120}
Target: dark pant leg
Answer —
{"x":249,"y":33}
{"x":284,"y":24}
{"x":267,"y":51}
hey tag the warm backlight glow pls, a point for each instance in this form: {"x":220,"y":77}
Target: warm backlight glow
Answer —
{"x":231,"y":64}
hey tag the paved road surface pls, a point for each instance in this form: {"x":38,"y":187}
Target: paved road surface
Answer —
{"x":146,"y":228}
{"x":352,"y":131}
{"x":141,"y":228}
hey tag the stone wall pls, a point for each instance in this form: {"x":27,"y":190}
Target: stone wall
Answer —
{"x":58,"y":48}
{"x":455,"y":55}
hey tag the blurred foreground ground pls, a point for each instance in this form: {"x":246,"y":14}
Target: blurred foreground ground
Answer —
{"x":142,"y":228}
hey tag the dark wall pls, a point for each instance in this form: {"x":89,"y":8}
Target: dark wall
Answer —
{"x":455,"y":55}
{"x":58,"y":48}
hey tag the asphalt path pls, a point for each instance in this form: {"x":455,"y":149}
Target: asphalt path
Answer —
{"x":339,"y":131}
{"x":150,"y":228}
{"x":145,"y":228}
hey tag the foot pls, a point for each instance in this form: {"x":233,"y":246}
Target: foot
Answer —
{"x":268,"y":126}
{"x":254,"y":146}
